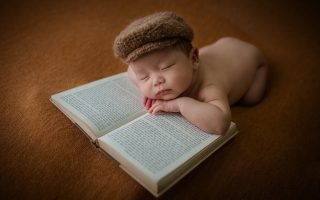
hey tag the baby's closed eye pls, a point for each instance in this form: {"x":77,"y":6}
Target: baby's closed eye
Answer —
{"x":143,"y":78}
{"x":167,"y":66}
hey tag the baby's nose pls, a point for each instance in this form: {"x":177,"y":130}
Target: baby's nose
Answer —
{"x":158,"y":81}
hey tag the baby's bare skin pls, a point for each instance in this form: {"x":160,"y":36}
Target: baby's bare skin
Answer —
{"x":203,"y":85}
{"x":231,"y":65}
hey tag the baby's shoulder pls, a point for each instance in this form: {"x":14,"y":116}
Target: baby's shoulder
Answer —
{"x":211,"y":92}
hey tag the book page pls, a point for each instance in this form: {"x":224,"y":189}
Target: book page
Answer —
{"x":157,"y":145}
{"x":105,"y":104}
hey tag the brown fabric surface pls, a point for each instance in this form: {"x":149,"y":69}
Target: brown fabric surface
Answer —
{"x":50,"y":46}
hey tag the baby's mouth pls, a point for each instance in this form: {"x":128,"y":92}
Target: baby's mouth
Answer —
{"x":163,"y":92}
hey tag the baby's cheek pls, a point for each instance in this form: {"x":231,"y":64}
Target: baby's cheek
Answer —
{"x":145,"y":91}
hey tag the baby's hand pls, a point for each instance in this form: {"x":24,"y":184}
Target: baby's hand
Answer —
{"x":163,"y":105}
{"x":147,"y":102}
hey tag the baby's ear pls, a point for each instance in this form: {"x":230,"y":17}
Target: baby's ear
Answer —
{"x":194,"y":55}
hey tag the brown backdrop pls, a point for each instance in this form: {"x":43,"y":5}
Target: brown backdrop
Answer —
{"x":50,"y":46}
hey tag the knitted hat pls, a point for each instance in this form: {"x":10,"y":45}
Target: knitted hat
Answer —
{"x":150,"y":33}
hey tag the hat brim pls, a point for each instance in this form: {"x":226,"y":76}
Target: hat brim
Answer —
{"x":150,"y":47}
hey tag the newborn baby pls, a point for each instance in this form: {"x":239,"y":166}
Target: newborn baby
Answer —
{"x":174,"y":76}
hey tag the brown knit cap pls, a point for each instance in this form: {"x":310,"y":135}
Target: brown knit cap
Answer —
{"x":150,"y":33}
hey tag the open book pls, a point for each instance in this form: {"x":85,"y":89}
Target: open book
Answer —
{"x":157,"y":151}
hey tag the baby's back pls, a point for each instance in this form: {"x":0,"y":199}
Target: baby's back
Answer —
{"x":230,"y":64}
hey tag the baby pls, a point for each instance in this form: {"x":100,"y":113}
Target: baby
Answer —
{"x":173,"y":76}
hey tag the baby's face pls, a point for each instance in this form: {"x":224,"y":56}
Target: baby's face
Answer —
{"x":163,"y":74}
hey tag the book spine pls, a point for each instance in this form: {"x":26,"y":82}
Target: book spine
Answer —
{"x":91,"y":140}
{"x":96,"y":143}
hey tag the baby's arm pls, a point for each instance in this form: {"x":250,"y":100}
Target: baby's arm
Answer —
{"x":211,"y":115}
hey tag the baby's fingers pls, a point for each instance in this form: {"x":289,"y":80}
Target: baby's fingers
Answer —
{"x":156,"y":108}
{"x":147,"y":102}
